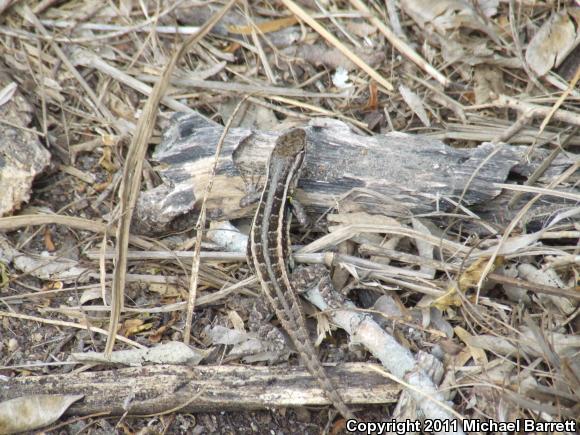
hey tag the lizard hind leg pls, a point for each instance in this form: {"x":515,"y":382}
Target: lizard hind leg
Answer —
{"x":306,"y":277}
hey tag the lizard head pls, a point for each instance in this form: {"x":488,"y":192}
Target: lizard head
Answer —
{"x":290,"y":143}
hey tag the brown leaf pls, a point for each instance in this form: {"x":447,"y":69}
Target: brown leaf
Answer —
{"x":265,"y":27}
{"x":557,"y":37}
{"x":33,"y":412}
{"x":48,"y":243}
{"x":106,"y":161}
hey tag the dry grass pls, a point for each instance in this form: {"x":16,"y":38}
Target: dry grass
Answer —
{"x":104,"y":79}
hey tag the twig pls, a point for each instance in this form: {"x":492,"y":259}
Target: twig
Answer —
{"x":536,"y":110}
{"x":397,"y":359}
{"x":97,"y":39}
{"x":145,"y":27}
{"x":318,"y":109}
{"x":513,"y":129}
{"x":260,"y":89}
{"x":345,"y":232}
{"x":571,"y":293}
{"x":70,"y":325}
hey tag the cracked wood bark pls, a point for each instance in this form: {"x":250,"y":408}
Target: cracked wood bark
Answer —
{"x":22,"y":155}
{"x":153,"y":389}
{"x":395,"y":174}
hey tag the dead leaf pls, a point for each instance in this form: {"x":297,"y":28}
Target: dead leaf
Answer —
{"x":7,"y":92}
{"x":557,"y":37}
{"x":222,"y":335}
{"x":468,"y":279}
{"x":478,"y":354}
{"x":426,"y":250}
{"x":53,"y":285}
{"x":548,"y":277}
{"x":450,"y":347}
{"x":48,"y":243}
{"x":232,"y":47}
{"x":323,"y":328}
{"x":358,"y":217}
{"x":156,"y":336}
{"x":134,"y":326}
{"x":166,"y":290}
{"x":415,"y":104}
{"x":173,"y":352}
{"x":4,"y":276}
{"x":489,"y":83}
{"x":445,"y":15}
{"x":106,"y":161}
{"x":373,"y":102}
{"x":99,"y":187}
{"x":450,"y":299}
{"x":109,"y":140}
{"x":338,"y":427}
{"x":33,"y":412}
{"x":361,"y":29}
{"x":237,"y":321}
{"x":90,"y":294}
{"x":264,"y":27}
{"x":48,"y":267}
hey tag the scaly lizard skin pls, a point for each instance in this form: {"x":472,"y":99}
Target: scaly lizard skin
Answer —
{"x":269,"y":254}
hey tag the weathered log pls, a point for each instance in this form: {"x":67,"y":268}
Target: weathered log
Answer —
{"x":22,"y":156}
{"x":395,"y":174}
{"x":153,"y":389}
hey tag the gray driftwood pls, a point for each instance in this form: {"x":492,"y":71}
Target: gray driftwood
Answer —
{"x":22,"y":156}
{"x":395,"y":174}
{"x":153,"y":389}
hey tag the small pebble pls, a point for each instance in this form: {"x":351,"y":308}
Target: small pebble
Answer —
{"x":12,"y":345}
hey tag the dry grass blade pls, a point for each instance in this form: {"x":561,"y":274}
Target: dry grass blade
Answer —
{"x":91,"y":60}
{"x":400,"y":45}
{"x":200,"y":225}
{"x":303,"y":15}
{"x":68,"y":325}
{"x":132,"y":173}
{"x":421,"y":392}
{"x":537,"y":110}
{"x":12,"y":223}
{"x":547,"y":192}
{"x":29,"y":15}
{"x":406,"y":229}
{"x":317,"y":109}
{"x":561,"y":100}
{"x":545,"y":164}
{"x":347,"y":231}
{"x":515,"y":221}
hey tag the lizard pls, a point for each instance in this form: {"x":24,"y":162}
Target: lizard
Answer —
{"x":269,"y":254}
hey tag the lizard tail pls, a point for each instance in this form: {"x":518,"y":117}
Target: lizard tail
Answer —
{"x":310,"y":358}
